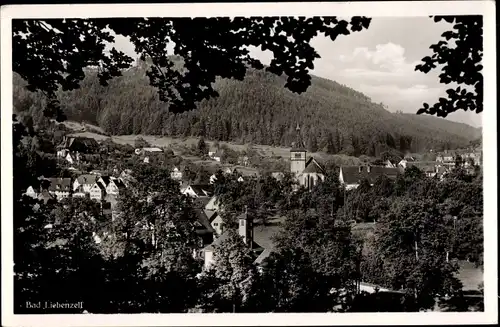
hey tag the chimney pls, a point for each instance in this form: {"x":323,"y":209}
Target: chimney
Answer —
{"x":245,"y":228}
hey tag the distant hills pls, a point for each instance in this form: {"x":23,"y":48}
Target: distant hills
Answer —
{"x":332,"y":117}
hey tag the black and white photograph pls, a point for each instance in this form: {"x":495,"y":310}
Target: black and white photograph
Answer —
{"x":300,"y":158}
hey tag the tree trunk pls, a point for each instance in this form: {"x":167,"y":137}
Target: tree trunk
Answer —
{"x":416,"y":250}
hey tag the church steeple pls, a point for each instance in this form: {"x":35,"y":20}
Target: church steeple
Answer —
{"x":298,"y":144}
{"x":297,"y":154}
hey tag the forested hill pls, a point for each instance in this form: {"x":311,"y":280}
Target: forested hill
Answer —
{"x":260,"y":110}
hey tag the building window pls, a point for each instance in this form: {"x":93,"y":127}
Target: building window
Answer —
{"x":298,"y":155}
{"x":242,"y":223}
{"x":216,"y":224}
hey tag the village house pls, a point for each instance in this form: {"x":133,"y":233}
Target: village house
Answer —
{"x":68,"y":156}
{"x":446,"y":158}
{"x":32,"y":192}
{"x":72,"y":149}
{"x":404,"y":162}
{"x":197,"y":190}
{"x":141,"y":151}
{"x":216,"y":221}
{"x":389,"y":164}
{"x":212,"y":179}
{"x":213,"y":204}
{"x":85,"y":182}
{"x":39,"y":193}
{"x":126,"y":177}
{"x":217,"y":155}
{"x":97,"y":192}
{"x":176,"y":174}
{"x":244,"y":161}
{"x":472,"y":158}
{"x":245,"y":230}
{"x":79,"y":144}
{"x":112,"y":185}
{"x":429,"y":168}
{"x":203,"y":229}
{"x":351,"y":176}
{"x":59,"y":187}
{"x":308,"y":172}
{"x":80,"y":193}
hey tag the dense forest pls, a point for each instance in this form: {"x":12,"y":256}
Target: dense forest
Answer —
{"x":333,"y":117}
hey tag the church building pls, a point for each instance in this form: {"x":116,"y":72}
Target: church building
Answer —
{"x":308,"y":172}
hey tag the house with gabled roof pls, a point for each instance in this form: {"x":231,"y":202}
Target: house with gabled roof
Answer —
{"x":246,"y":232}
{"x":97,"y":192}
{"x":405,"y":161}
{"x":197,"y":190}
{"x":203,"y":228}
{"x":112,"y":185}
{"x":213,"y":204}
{"x":85,"y":182}
{"x":176,"y":174}
{"x":217,"y":155}
{"x":351,"y":176}
{"x":40,"y":193}
{"x":78,"y":144}
{"x":58,"y":186}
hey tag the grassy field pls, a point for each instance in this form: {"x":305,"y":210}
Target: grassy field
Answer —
{"x":176,"y":144}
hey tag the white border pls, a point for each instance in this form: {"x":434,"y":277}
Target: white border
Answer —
{"x":346,"y":9}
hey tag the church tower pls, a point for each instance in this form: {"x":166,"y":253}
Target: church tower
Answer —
{"x":297,"y":154}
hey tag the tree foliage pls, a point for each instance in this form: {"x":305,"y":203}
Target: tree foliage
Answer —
{"x":235,"y":276}
{"x":224,"y":54}
{"x":458,"y":55}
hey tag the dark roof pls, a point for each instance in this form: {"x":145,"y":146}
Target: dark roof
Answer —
{"x":218,"y":241}
{"x":201,"y":189}
{"x":203,"y":220}
{"x":425,"y":166}
{"x":102,"y":187}
{"x":211,"y":214}
{"x":79,"y":143}
{"x":87,"y":179}
{"x":313,"y":166}
{"x":352,"y":175}
{"x":106,"y":180}
{"x":119,"y":183}
{"x":266,"y":253}
{"x":59,"y":184}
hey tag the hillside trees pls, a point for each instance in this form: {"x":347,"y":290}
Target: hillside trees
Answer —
{"x":114,"y":108}
{"x":185,"y":83}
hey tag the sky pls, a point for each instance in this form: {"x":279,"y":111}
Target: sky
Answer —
{"x":379,"y":62}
